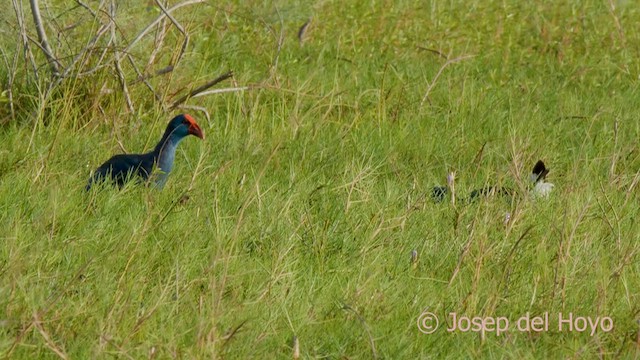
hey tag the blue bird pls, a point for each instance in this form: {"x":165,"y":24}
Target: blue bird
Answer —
{"x":120,"y":168}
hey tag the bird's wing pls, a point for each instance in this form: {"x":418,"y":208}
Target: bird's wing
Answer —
{"x":121,"y":167}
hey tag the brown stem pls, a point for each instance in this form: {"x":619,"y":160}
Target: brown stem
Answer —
{"x":202,"y":88}
{"x":42,"y":36}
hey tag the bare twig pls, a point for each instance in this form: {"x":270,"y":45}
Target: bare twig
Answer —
{"x":147,"y":83}
{"x":164,"y":70}
{"x":202,"y":88}
{"x":434,"y":51}
{"x":220,"y":91}
{"x":99,"y":63}
{"x":28,"y":54}
{"x":159,"y":40}
{"x":633,"y":184}
{"x":87,"y":8}
{"x":157,"y":20}
{"x":90,"y":46}
{"x":123,"y":83}
{"x":42,"y":36}
{"x":175,"y":22}
{"x":117,"y":59}
{"x":233,"y":331}
{"x":435,"y":78}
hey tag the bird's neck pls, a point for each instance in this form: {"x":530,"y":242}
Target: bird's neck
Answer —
{"x":164,"y":154}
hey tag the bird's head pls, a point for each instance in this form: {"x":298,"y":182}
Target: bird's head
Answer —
{"x":541,"y":188}
{"x":183,"y":125}
{"x":539,"y":172}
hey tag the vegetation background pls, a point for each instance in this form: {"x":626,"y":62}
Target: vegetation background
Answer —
{"x":289,"y":231}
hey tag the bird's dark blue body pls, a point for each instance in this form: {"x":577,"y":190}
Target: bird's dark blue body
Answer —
{"x":121,"y":168}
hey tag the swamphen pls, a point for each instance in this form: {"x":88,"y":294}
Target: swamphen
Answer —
{"x":124,"y":166}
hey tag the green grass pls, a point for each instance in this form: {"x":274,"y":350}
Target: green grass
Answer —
{"x":311,"y":189}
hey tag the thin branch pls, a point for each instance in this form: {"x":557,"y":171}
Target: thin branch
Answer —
{"x":117,"y":59}
{"x":175,"y":22}
{"x":123,"y":83}
{"x":90,"y":47}
{"x":140,"y":75}
{"x":99,"y":65}
{"x":158,"y":42}
{"x":87,"y":8}
{"x":202,"y":88}
{"x":42,"y":36}
{"x":220,"y":91}
{"x":633,"y":184}
{"x":157,"y":20}
{"x":434,"y":51}
{"x":28,"y":54}
{"x":164,"y":70}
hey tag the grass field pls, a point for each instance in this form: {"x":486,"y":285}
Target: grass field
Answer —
{"x":289,"y":230}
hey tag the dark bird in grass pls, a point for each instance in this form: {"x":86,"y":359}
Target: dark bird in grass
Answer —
{"x":538,"y":176}
{"x":159,"y":162}
{"x":541,"y":188}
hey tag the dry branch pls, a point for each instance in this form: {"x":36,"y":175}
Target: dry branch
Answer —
{"x":42,"y":36}
{"x":157,"y":20}
{"x":175,"y":22}
{"x":25,"y":39}
{"x":220,"y":91}
{"x":147,"y":83}
{"x":201,"y":88}
{"x":103,"y":29}
{"x":87,"y":8}
{"x":161,"y":33}
{"x":107,"y":48}
{"x":159,"y":72}
{"x":117,"y":59}
{"x":433,"y":51}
